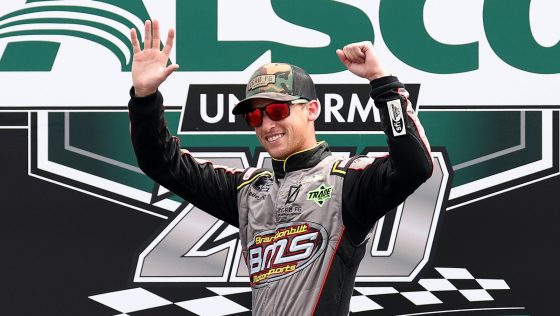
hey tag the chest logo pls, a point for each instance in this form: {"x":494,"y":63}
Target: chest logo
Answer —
{"x":320,"y":195}
{"x":277,"y":254}
{"x":292,"y":195}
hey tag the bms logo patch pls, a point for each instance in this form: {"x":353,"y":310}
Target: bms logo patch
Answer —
{"x":276,"y":254}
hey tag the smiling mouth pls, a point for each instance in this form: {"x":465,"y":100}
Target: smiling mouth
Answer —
{"x":274,"y":138}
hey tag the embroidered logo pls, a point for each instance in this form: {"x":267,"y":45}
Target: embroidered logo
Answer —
{"x":320,"y":195}
{"x":261,"y":81}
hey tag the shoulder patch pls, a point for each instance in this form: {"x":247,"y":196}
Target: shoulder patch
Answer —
{"x":262,"y":183}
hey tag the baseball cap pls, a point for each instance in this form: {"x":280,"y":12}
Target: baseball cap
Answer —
{"x":279,"y":82}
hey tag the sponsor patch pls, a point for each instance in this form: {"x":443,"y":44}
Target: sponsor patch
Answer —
{"x":397,"y":119}
{"x":261,"y":81}
{"x":284,"y":212}
{"x":262,"y":184}
{"x":276,"y":254}
{"x":292,"y":195}
{"x":320,"y":195}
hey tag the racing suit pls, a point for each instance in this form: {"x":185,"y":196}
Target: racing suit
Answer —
{"x":304,"y":224}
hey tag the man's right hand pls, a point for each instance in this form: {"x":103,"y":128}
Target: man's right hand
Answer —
{"x":149,"y":66}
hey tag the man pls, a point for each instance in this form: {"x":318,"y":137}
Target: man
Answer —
{"x":304,"y":224}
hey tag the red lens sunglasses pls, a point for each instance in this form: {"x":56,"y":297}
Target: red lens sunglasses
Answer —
{"x":276,"y":111}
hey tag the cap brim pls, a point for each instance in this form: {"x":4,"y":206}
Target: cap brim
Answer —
{"x":244,"y":105}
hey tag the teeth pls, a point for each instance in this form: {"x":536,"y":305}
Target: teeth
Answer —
{"x":273,"y":138}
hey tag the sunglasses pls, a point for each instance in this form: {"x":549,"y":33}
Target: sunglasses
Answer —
{"x":276,"y":111}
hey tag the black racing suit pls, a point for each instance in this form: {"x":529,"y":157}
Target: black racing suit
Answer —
{"x":303,"y":224}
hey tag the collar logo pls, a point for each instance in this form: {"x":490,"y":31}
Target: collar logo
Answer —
{"x":320,"y":195}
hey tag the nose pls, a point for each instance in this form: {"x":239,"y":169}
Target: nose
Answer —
{"x":267,"y":123}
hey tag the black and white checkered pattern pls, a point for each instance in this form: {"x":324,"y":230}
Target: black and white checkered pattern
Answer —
{"x":221,"y":301}
{"x":476,"y":290}
{"x":216,"y":301}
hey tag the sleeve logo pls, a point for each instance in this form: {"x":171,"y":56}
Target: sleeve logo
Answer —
{"x":397,"y":119}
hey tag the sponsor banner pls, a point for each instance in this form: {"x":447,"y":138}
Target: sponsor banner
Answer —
{"x":472,"y":68}
{"x":447,"y":46}
{"x":346,"y":109}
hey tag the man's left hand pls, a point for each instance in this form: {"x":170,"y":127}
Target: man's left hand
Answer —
{"x":361,"y":60}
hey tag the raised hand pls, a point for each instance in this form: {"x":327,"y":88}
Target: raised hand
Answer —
{"x":149,"y":65}
{"x":361,"y":60}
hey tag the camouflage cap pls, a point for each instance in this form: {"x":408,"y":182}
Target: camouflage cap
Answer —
{"x":277,"y":81}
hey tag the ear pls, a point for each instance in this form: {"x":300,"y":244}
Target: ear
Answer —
{"x":313,"y":110}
